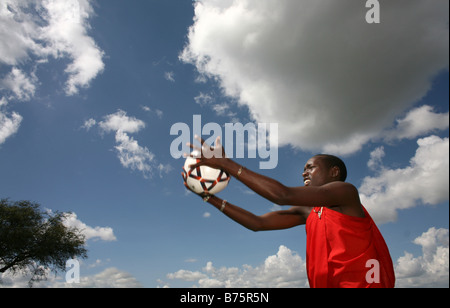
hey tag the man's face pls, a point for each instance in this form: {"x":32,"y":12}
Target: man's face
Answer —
{"x":316,"y":173}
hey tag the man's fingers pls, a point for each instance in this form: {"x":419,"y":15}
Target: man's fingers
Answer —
{"x":205,"y":147}
{"x":194,"y":147}
{"x":218,"y":143}
{"x":204,"y":144}
{"x":194,"y":166}
{"x":200,"y":139}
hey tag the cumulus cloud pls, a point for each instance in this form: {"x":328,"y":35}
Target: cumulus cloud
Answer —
{"x":96,"y":233}
{"x":9,"y":125}
{"x":31,"y":33}
{"x":375,"y":162}
{"x":109,"y":278}
{"x":130,"y":153}
{"x":16,"y":85}
{"x":88,"y":124}
{"x":431,"y":269}
{"x":51,"y":28}
{"x":119,"y":121}
{"x":332,"y":81}
{"x":418,"y":122}
{"x":21,"y":86}
{"x":286,"y":269}
{"x":424,"y":181}
{"x":67,"y":34}
{"x":18,"y":32}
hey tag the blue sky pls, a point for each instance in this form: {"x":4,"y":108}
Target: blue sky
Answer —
{"x":89,"y":91}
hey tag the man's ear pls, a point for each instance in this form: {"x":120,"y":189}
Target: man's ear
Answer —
{"x":335,"y":172}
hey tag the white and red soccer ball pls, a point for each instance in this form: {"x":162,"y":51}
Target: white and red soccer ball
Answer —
{"x":204,"y":179}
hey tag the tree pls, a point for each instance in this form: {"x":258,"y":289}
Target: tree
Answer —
{"x":36,"y":241}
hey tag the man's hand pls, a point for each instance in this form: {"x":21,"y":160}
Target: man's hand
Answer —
{"x":209,"y":156}
{"x":203,"y":194}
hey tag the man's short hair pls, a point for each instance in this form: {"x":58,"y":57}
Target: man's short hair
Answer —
{"x":334,"y":161}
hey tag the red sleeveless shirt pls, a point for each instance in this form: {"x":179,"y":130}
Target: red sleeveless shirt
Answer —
{"x":346,"y":252}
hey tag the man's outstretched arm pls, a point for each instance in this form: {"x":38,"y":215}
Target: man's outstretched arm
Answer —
{"x":277,"y":220}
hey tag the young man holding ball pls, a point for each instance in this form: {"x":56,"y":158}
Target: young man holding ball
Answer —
{"x":344,"y":246}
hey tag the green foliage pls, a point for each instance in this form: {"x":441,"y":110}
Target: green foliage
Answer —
{"x":36,"y":241}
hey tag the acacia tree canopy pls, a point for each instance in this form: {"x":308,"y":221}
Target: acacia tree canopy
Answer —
{"x":36,"y":241}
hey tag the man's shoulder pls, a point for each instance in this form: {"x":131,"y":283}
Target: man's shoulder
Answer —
{"x":348,"y":195}
{"x":341,"y":186}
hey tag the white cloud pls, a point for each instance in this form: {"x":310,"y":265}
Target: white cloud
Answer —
{"x":109,"y":278}
{"x":424,"y":181}
{"x":102,"y":233}
{"x":169,"y":76}
{"x":146,"y":108}
{"x":66,"y":36}
{"x":331,"y":81}
{"x":9,"y":125}
{"x":376,"y":157}
{"x":32,"y":32}
{"x":130,"y":153}
{"x":187,"y":275}
{"x":23,"y":87}
{"x":18,"y":32}
{"x":119,"y":121}
{"x":418,"y":122}
{"x":286,"y":269}
{"x":203,"y":99}
{"x":51,"y":28}
{"x":221,"y":109}
{"x":9,"y":280}
{"x":88,"y":124}
{"x":18,"y":86}
{"x":431,"y":269}
{"x":159,"y":113}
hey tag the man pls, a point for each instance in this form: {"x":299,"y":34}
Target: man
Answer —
{"x":344,"y":246}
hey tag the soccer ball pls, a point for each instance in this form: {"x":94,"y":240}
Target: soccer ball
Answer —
{"x":204,"y":179}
